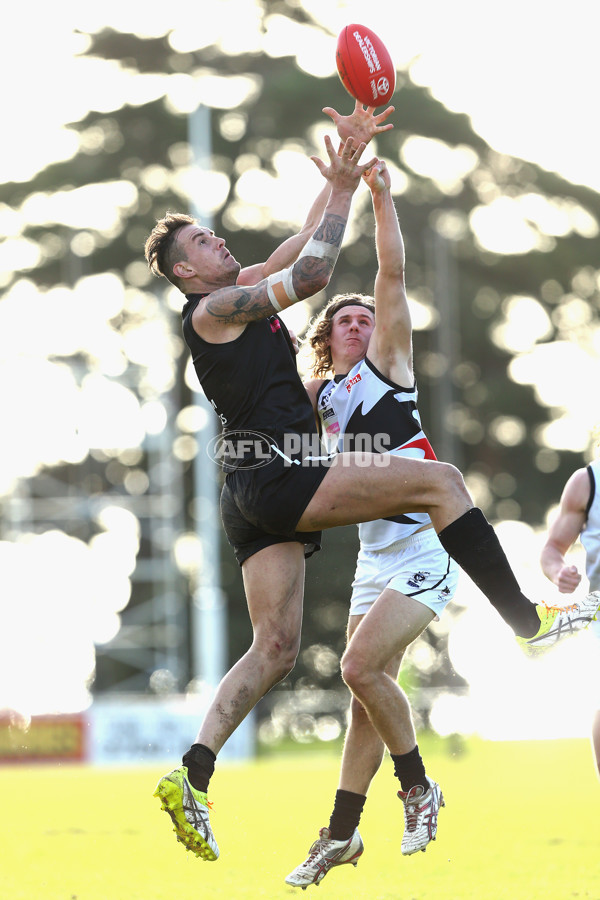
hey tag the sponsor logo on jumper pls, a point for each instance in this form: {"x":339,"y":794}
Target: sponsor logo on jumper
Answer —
{"x":328,"y":413}
{"x":352,"y":381}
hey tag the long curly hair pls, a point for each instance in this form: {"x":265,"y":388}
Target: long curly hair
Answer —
{"x":319,"y":330}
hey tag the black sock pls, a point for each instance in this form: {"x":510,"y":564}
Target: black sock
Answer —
{"x":409,"y":769}
{"x":200,"y":762}
{"x":473,"y":543}
{"x":346,"y":814}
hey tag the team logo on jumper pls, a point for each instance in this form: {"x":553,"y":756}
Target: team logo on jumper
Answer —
{"x":417,"y":579}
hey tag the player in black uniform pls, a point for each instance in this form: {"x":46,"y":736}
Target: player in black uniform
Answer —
{"x":277,"y":497}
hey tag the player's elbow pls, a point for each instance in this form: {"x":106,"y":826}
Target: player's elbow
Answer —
{"x":311,"y":275}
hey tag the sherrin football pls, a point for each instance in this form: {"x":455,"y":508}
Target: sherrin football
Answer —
{"x":365,"y":66}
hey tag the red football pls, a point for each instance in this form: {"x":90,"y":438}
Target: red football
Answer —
{"x":365,"y":66}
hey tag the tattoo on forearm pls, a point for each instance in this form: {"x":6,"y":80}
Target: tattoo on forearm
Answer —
{"x":309,"y":271}
{"x":240,"y":305}
{"x":331,"y":230}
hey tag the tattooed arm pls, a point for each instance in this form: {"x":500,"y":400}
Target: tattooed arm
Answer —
{"x":288,"y":252}
{"x":361,"y":125}
{"x":224,"y":313}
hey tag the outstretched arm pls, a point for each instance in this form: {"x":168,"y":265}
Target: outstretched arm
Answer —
{"x":362,"y":125}
{"x":227,"y":311}
{"x":288,"y":252}
{"x":390,"y":347}
{"x":564,"y":531}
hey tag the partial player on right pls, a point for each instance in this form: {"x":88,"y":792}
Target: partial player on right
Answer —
{"x":578,"y":517}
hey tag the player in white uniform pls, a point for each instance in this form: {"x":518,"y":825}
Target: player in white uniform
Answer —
{"x":364,"y":409}
{"x":578,"y":517}
{"x":404,"y":578}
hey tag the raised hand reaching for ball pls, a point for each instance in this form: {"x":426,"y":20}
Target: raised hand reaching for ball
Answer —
{"x":377,"y":177}
{"x":362,"y":124}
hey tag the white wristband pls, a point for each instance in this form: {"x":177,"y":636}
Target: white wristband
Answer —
{"x":320,"y":249}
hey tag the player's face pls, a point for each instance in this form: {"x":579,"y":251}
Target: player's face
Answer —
{"x":207,"y":255}
{"x":351,"y":330}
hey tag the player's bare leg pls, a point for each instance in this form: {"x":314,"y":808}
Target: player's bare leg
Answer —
{"x":274,"y":585}
{"x":394,"y":622}
{"x":369,"y":658}
{"x":362,"y":752}
{"x":360,"y":487}
{"x":371,"y":661}
{"x":363,"y":748}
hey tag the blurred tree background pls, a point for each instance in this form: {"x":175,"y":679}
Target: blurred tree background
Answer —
{"x":502,"y":272}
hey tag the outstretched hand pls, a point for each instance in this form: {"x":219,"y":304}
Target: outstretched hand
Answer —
{"x":344,"y":170}
{"x":362,"y":124}
{"x":378,"y":177}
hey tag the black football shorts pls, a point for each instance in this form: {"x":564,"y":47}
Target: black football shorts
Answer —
{"x":262,"y":506}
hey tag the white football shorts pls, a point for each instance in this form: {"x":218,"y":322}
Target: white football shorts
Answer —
{"x":417,"y":566}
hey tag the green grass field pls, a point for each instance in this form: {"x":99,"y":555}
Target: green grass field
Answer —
{"x":521,"y":821}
